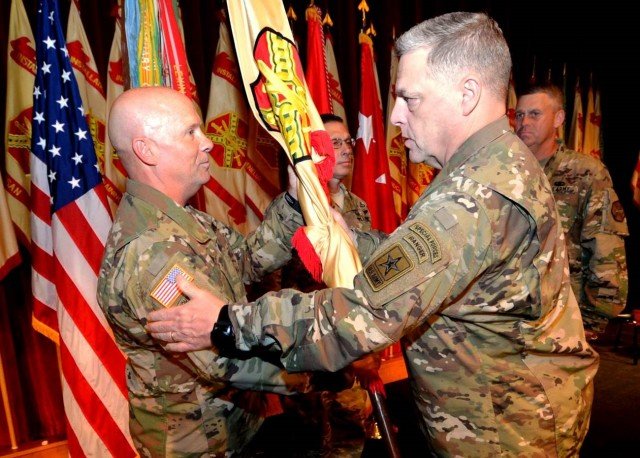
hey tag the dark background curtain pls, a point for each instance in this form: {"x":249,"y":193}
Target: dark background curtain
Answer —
{"x":598,"y":41}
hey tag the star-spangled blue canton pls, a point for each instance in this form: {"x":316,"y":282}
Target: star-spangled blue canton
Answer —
{"x":61,"y":137}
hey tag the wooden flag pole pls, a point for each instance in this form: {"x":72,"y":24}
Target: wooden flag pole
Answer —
{"x":7,"y":407}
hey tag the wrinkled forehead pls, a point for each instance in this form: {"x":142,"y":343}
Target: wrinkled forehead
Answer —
{"x":538,"y":101}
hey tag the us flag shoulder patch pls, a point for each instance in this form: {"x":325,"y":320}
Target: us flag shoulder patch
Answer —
{"x":166,"y":291}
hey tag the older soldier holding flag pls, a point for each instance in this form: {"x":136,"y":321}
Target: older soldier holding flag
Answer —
{"x":474,"y":282}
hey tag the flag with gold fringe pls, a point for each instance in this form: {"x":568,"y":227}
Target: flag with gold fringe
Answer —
{"x":244,"y":166}
{"x":395,"y":147}
{"x":9,"y":254}
{"x":275,"y":86}
{"x":576,"y":135}
{"x":335,"y":89}
{"x":593,"y":122}
{"x":21,"y":70}
{"x":114,"y":173}
{"x":316,"y":72}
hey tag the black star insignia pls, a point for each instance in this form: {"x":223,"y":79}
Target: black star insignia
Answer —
{"x":390,"y":263}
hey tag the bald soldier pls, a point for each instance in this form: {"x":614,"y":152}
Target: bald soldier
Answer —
{"x":474,"y":283}
{"x":189,"y":404}
{"x":589,"y":208}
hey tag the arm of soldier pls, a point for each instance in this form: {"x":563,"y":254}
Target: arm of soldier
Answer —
{"x":193,"y":324}
{"x":604,"y":259}
{"x":416,"y":270}
{"x":269,"y":247}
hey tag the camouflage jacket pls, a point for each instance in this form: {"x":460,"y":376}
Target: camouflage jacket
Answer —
{"x":595,"y":224}
{"x":354,"y":210}
{"x":476,"y":284}
{"x":188,"y":403}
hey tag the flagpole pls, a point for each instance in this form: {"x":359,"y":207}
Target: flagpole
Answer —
{"x":7,"y":407}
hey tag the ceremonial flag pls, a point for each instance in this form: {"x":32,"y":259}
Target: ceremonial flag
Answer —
{"x":512,"y":101}
{"x":275,"y":86}
{"x":244,"y":166}
{"x":21,"y":69}
{"x":335,"y":90}
{"x":593,"y":122}
{"x":371,"y":178}
{"x":576,"y":135}
{"x":395,"y":147}
{"x":70,"y":221}
{"x":9,"y":255}
{"x":90,"y":86}
{"x":635,"y":184}
{"x":316,"y":71}
{"x":114,"y":174}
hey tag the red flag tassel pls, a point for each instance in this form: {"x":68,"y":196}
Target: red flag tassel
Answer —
{"x":307,"y":253}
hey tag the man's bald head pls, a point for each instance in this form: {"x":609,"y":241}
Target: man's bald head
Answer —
{"x":141,"y":112}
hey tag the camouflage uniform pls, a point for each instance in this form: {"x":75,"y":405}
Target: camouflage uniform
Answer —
{"x":188,"y":403}
{"x":476,"y":284}
{"x":594,"y":221}
{"x":345,"y":416}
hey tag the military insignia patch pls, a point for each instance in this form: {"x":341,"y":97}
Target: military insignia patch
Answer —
{"x":431,"y":242}
{"x":617,"y":211}
{"x":166,"y":291}
{"x":392,"y":264}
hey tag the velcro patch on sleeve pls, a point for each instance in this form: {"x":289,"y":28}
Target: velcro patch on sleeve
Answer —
{"x":166,"y":291}
{"x":392,"y":264}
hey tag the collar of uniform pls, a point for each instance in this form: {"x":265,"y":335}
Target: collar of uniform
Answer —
{"x":167,"y":206}
{"x":479,"y":139}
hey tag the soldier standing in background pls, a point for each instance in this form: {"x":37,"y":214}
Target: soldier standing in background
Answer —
{"x":590,"y":212}
{"x":475,"y":282}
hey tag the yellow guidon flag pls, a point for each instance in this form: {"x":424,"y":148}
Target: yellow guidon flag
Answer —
{"x":274,"y":82}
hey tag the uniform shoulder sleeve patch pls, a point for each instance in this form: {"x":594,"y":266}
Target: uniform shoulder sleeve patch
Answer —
{"x":392,"y":264}
{"x":165,"y":291}
{"x":617,"y":211}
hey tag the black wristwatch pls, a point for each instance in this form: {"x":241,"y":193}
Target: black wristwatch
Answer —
{"x":222,"y":335}
{"x":293,"y":202}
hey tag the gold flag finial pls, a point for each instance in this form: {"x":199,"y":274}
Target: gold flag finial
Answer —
{"x":291,"y":14}
{"x":328,"y":21}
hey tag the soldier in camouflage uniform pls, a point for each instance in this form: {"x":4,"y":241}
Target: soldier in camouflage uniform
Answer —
{"x":475,"y":282}
{"x":591,"y":214}
{"x":189,"y":404}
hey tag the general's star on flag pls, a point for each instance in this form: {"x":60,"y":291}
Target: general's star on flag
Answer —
{"x":365,"y":130}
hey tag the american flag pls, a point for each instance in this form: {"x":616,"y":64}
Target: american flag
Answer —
{"x":167,"y":292}
{"x":70,"y":221}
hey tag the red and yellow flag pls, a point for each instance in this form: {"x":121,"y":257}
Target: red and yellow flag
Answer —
{"x":335,"y":90}
{"x":21,"y":70}
{"x":635,"y":184}
{"x":9,"y":254}
{"x":244,"y":168}
{"x":275,"y":87}
{"x":512,"y":101}
{"x":114,"y":174}
{"x":396,"y":149}
{"x":316,"y":71}
{"x":371,"y":177}
{"x":576,"y":136}
{"x":593,"y":122}
{"x":90,"y":86}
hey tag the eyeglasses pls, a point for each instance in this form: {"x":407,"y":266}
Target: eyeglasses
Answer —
{"x":338,"y":142}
